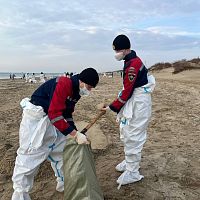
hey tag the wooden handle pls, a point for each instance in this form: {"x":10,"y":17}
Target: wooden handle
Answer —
{"x":93,"y":121}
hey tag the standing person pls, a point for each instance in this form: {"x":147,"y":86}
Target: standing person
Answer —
{"x":67,"y":75}
{"x":42,"y":77}
{"x":133,"y":106}
{"x":27,"y":77}
{"x":71,"y":74}
{"x":13,"y":76}
{"x":47,"y":120}
{"x":23,"y":75}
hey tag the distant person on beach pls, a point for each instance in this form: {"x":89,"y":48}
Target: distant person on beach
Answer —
{"x":23,"y":75}
{"x":32,"y":79}
{"x":71,"y":74}
{"x":133,"y":108}
{"x":67,"y":74}
{"x":46,"y":121}
{"x":42,"y":77}
{"x":13,"y":76}
{"x":27,"y":77}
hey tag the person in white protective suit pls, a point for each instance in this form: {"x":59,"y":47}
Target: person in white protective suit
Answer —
{"x":42,"y":77}
{"x":133,"y":108}
{"x":27,"y":77}
{"x":46,"y":121}
{"x":32,"y":79}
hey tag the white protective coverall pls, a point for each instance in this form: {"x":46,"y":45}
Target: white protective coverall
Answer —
{"x":38,"y":140}
{"x":42,"y":79}
{"x":134,"y":118}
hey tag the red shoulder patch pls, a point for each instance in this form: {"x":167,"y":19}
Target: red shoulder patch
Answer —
{"x":131,"y":74}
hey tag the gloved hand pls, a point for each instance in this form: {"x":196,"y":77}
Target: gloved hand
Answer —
{"x":81,"y":138}
{"x":103,"y":107}
{"x":107,"y":108}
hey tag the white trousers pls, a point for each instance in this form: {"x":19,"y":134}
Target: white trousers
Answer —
{"x":49,"y":145}
{"x":133,"y":131}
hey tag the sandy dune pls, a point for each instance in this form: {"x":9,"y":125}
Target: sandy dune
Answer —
{"x":170,"y":159}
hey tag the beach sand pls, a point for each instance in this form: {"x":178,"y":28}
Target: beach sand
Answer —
{"x":170,"y":158}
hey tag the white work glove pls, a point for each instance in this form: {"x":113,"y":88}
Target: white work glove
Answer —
{"x":105,"y":108}
{"x":81,"y":138}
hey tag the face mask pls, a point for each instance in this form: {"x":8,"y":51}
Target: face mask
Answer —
{"x":84,"y":91}
{"x":119,"y":56}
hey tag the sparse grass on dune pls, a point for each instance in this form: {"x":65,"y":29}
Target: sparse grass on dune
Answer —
{"x":178,"y":66}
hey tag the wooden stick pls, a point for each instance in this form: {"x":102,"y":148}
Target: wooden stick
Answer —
{"x":92,"y":122}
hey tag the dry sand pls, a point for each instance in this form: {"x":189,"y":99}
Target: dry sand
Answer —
{"x":170,"y":159}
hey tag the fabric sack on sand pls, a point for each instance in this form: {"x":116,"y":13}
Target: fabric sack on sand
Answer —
{"x":79,"y":173}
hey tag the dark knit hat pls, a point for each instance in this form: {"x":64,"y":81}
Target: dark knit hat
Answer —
{"x":89,"y":76}
{"x":121,"y":42}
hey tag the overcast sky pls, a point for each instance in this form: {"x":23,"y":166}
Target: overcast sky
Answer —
{"x":61,"y":35}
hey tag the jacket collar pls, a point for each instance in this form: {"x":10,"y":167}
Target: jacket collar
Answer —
{"x":128,"y":58}
{"x":75,"y":86}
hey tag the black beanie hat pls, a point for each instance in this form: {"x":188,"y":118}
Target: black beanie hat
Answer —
{"x":89,"y":76}
{"x":121,"y":42}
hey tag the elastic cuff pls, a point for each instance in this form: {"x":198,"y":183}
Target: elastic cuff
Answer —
{"x":113,"y":109}
{"x":68,"y":130}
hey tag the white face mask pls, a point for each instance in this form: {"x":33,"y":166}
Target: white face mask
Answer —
{"x":119,"y":56}
{"x":84,"y":91}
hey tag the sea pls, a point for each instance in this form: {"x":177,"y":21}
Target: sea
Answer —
{"x":6,"y":75}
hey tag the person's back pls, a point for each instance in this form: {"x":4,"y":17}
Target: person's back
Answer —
{"x":43,"y":94}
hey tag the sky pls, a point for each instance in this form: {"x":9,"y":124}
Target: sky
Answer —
{"x":68,"y":36}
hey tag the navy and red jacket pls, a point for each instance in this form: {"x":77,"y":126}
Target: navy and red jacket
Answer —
{"x":58,"y":97}
{"x":134,"y":75}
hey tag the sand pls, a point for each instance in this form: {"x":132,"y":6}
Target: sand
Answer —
{"x":170,"y":158}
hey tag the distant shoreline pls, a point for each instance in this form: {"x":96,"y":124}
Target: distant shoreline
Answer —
{"x":18,"y":75}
